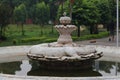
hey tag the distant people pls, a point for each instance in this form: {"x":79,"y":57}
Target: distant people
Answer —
{"x":111,"y":31}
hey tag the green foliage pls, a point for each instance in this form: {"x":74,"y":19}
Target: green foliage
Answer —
{"x":53,"y":10}
{"x":13,"y":66}
{"x":33,"y":35}
{"x":63,"y":9}
{"x":42,"y":13}
{"x":20,"y":13}
{"x":5,"y":14}
{"x":92,"y":36}
{"x":85,"y":12}
{"x":12,"y":3}
{"x":104,"y":10}
{"x":51,"y":40}
{"x":46,"y":39}
{"x":38,"y":39}
{"x":33,"y":39}
{"x":15,"y":41}
{"x":112,"y":8}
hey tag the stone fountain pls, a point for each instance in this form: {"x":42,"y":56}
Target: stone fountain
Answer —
{"x":64,"y":54}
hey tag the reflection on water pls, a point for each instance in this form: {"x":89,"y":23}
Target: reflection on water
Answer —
{"x":9,"y":68}
{"x":25,"y":67}
{"x":107,"y":68}
{"x":40,"y":72}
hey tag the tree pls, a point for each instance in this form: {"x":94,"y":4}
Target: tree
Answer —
{"x":30,"y":8}
{"x":53,"y":10}
{"x":5,"y":14}
{"x":85,"y":13}
{"x":104,"y":10}
{"x":12,"y":3}
{"x":20,"y":15}
{"x":42,"y":13}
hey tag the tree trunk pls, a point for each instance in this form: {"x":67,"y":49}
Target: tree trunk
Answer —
{"x":62,"y":8}
{"x":52,"y":29}
{"x":78,"y":31}
{"x":70,"y":10}
{"x":22,"y":29}
{"x":96,"y":29}
{"x":91,"y":29}
{"x":41,"y":30}
{"x":4,"y":31}
{"x":1,"y":32}
{"x":2,"y":35}
{"x":107,"y":26}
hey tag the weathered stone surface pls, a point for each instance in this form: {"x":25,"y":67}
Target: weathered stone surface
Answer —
{"x":13,"y":77}
{"x":9,"y":51}
{"x":13,"y":53}
{"x":62,"y":52}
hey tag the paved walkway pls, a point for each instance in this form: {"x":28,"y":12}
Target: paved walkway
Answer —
{"x":102,"y":41}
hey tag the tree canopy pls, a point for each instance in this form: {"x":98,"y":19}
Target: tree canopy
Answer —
{"x":92,"y":12}
{"x":20,"y":13}
{"x":84,"y":12}
{"x":42,"y":13}
{"x":5,"y":15}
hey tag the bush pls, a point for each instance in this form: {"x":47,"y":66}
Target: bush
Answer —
{"x":15,"y":41}
{"x":3,"y":38}
{"x":76,"y":38}
{"x":93,"y":36}
{"x":51,"y":40}
{"x":32,"y":39}
{"x":46,"y":39}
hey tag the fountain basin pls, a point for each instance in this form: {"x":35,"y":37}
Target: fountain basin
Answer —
{"x":63,"y":58}
{"x":18,"y":53}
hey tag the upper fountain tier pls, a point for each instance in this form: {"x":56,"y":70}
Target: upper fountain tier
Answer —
{"x":65,"y":19}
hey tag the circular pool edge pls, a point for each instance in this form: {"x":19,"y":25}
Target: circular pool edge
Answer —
{"x":109,"y":53}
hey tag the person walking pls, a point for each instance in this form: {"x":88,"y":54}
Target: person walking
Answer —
{"x":111,"y":31}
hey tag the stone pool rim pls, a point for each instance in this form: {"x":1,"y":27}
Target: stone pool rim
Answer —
{"x":14,"y":77}
{"x":22,"y":51}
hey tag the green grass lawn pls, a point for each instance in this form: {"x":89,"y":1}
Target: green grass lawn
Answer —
{"x":34,"y":34}
{"x":30,"y":31}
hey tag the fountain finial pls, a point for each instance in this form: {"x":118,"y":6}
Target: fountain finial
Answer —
{"x":64,"y":14}
{"x":65,"y":19}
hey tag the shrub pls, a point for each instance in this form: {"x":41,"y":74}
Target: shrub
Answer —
{"x":76,"y":38}
{"x":14,"y":41}
{"x":50,"y":40}
{"x":33,"y":39}
{"x":93,"y":36}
